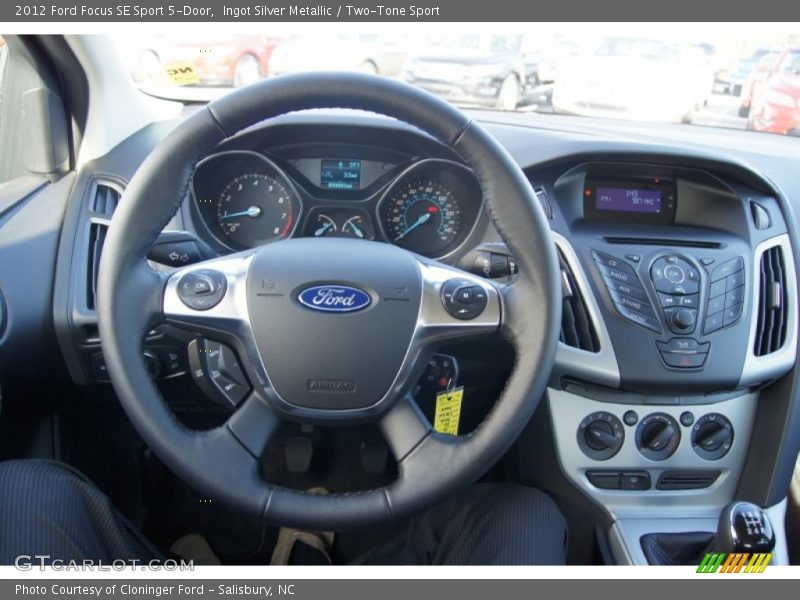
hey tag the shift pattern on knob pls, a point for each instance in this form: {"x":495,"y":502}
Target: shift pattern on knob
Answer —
{"x":744,"y":527}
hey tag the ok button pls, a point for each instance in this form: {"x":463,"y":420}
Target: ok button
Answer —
{"x":674,"y":274}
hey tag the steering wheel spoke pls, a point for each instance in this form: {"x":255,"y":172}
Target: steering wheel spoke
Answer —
{"x":456,"y":305}
{"x":210,"y":296}
{"x":253,"y":424}
{"x":404,"y":427}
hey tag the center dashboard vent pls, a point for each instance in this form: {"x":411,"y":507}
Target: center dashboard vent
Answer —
{"x":772,"y":303}
{"x":577,"y":329}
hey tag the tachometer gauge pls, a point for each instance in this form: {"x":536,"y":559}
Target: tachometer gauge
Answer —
{"x":424,"y":216}
{"x":254,"y":209}
{"x":245,"y":200}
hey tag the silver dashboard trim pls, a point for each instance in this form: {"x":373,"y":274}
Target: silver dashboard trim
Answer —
{"x":434,"y":324}
{"x":599,"y":367}
{"x":758,"y":369}
{"x":567,"y":410}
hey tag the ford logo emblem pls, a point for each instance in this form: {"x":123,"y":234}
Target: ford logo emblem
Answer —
{"x":334,"y":298}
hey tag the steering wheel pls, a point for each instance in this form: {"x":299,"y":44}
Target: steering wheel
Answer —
{"x":348,"y":355}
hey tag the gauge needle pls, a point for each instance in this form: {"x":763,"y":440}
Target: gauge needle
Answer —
{"x":423,"y":218}
{"x":253,"y":211}
{"x":323,"y":229}
{"x":356,"y":229}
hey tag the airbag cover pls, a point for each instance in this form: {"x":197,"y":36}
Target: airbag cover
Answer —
{"x":333,"y":319}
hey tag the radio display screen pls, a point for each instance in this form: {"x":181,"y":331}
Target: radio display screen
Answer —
{"x":645,"y":200}
{"x":628,"y":199}
{"x":340,"y":174}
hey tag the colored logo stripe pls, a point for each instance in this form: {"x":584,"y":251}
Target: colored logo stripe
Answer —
{"x":734,"y":563}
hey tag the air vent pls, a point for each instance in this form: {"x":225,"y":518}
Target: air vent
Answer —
{"x":544,"y":200}
{"x":686,"y":479}
{"x":105,"y":199}
{"x":772,"y":303}
{"x":97,"y":237}
{"x":576,"y":325}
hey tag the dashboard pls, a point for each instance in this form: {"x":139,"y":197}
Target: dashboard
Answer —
{"x":680,"y":303}
{"x":246,"y":198}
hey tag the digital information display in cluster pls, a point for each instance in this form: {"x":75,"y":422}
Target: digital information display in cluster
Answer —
{"x":628,"y":200}
{"x":340,"y":174}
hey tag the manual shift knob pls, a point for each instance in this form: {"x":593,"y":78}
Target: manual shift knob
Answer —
{"x":744,"y":527}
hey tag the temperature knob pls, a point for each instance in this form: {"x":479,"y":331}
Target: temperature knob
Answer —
{"x":712,"y":436}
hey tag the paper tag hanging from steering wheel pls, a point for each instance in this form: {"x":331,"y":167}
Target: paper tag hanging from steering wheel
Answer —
{"x":448,"y":410}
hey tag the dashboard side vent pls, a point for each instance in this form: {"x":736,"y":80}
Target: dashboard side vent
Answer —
{"x":772,"y":307}
{"x":97,"y":237}
{"x":104,"y":199}
{"x":544,"y":200}
{"x":577,"y":329}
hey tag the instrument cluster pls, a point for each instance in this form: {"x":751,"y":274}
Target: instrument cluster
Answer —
{"x":246,"y":199}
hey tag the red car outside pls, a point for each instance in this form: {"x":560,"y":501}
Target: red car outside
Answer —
{"x":219,"y":61}
{"x":754,"y":84}
{"x":776,"y":108}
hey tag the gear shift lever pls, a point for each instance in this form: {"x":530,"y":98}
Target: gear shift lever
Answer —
{"x":744,"y":527}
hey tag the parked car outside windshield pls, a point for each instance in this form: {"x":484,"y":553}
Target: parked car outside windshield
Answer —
{"x":645,"y":77}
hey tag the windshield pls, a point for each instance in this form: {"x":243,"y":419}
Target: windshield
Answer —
{"x":716,"y":80}
{"x":791,"y":63}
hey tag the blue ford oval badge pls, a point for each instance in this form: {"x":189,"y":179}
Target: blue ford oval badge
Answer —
{"x":334,"y":298}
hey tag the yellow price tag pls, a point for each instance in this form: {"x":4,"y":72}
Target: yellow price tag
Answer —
{"x":448,"y":411}
{"x":182,"y":73}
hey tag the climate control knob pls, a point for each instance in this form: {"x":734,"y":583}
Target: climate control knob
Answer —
{"x":600,"y":435}
{"x":712,"y":436}
{"x":658,"y":436}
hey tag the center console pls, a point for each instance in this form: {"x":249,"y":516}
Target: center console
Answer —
{"x":686,"y":283}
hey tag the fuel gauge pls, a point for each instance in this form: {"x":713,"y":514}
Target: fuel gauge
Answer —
{"x":358,"y":227}
{"x":340,"y":222}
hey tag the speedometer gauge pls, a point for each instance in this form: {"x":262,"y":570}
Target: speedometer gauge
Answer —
{"x":423,"y":215}
{"x":255,"y":208}
{"x":431,"y":208}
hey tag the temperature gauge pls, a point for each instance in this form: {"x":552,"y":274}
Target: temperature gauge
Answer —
{"x":340,"y":223}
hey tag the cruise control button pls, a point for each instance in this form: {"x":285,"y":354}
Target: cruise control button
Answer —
{"x":727,"y":268}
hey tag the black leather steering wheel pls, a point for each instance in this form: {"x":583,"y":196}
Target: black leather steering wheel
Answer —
{"x":359,"y":364}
